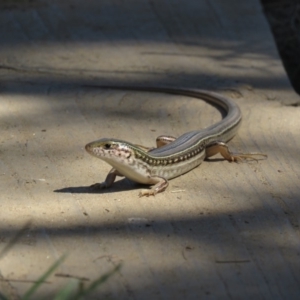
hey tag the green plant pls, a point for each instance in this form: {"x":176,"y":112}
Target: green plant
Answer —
{"x":74,"y":290}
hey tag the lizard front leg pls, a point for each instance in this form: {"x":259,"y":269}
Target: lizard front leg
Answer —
{"x":109,"y":180}
{"x":160,"y":184}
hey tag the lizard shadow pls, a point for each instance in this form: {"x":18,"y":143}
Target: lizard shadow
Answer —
{"x":118,"y":186}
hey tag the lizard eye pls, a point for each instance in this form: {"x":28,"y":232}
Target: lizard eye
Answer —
{"x":107,"y":146}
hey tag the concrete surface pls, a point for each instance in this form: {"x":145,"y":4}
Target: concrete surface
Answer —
{"x":222,"y":231}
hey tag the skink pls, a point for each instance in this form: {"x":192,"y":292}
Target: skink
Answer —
{"x":173,"y":156}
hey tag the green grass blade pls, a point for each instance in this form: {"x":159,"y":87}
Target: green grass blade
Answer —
{"x":15,"y":239}
{"x":43,"y":278}
{"x":97,"y":282}
{"x":2,"y":297}
{"x":67,"y":291}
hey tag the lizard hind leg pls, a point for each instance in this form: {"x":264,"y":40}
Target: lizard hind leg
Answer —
{"x":163,"y":140}
{"x":222,"y":148}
